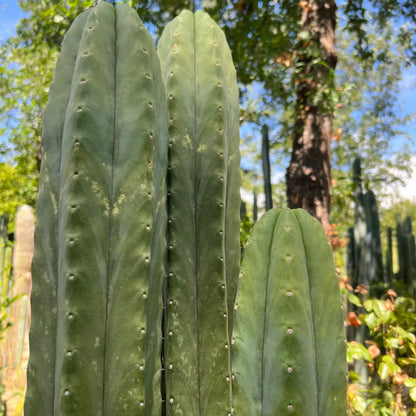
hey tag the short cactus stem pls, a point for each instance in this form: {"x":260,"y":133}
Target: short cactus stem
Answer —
{"x":289,"y":352}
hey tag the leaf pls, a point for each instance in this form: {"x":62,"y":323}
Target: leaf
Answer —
{"x":380,"y":309}
{"x":357,"y":351}
{"x":412,"y":394}
{"x":383,"y":370}
{"x":410,"y":382}
{"x":387,"y":367}
{"x":371,"y":320}
{"x":406,"y":361}
{"x":353,"y":376}
{"x":369,"y":305}
{"x":304,"y":35}
{"x":404,"y":334}
{"x":359,"y":404}
{"x":355,"y":300}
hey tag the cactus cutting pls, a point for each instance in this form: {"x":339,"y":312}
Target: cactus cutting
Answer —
{"x":98,"y":267}
{"x":137,"y":252}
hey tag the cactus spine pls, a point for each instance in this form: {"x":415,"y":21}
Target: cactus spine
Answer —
{"x":289,"y":351}
{"x":203,"y":211}
{"x":96,"y":260}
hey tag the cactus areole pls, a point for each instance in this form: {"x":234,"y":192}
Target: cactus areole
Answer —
{"x":137,"y":253}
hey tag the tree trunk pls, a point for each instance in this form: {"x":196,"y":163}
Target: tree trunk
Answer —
{"x":308,"y":177}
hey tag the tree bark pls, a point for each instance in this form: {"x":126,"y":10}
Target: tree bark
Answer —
{"x":308,"y":177}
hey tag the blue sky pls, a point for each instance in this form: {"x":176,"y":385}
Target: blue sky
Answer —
{"x":10,"y":13}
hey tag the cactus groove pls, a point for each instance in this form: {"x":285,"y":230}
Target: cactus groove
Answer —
{"x":289,"y":351}
{"x":203,"y":212}
{"x":97,"y":261}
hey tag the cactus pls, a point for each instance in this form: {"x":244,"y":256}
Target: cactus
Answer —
{"x":100,"y":340}
{"x":406,"y":253}
{"x":360,"y":228}
{"x":255,"y":206}
{"x":100,"y":236}
{"x":389,"y":257}
{"x":5,"y":287}
{"x":289,"y":350}
{"x":5,"y":269}
{"x":265,"y":158}
{"x":203,"y":210}
{"x":368,"y":259}
{"x":243,"y":211}
{"x":5,"y":258}
{"x":350,"y":263}
{"x":17,"y":348}
{"x":373,"y":264}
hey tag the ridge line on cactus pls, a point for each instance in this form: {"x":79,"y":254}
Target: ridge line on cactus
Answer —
{"x":265,"y":304}
{"x":110,"y":210}
{"x":317,"y":381}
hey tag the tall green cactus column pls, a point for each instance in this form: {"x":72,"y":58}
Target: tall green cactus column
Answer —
{"x":203,"y":212}
{"x":40,"y":397}
{"x":289,"y":351}
{"x":406,"y":253}
{"x":368,"y":258}
{"x":100,"y":238}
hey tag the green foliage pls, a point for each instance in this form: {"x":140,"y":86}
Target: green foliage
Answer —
{"x":26,"y":68}
{"x":16,"y":189}
{"x":382,"y":11}
{"x":263,"y":37}
{"x":369,"y":120}
{"x":390,"y":353}
{"x":402,"y":208}
{"x":245,"y":230}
